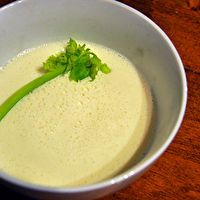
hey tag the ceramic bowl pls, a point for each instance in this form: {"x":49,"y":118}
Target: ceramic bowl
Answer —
{"x":27,"y":23}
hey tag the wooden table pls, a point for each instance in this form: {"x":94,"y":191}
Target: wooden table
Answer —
{"x":176,"y":175}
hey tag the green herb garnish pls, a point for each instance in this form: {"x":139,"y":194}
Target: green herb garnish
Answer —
{"x":76,"y":59}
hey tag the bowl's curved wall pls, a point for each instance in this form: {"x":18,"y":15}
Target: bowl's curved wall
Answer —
{"x":27,"y":23}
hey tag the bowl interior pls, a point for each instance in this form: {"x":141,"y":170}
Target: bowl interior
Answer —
{"x":30,"y":23}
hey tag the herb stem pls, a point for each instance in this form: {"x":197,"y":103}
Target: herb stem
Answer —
{"x":28,"y":88}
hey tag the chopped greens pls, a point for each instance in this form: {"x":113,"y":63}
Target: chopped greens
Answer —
{"x":76,"y":59}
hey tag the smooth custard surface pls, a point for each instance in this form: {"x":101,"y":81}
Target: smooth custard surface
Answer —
{"x":66,"y":133}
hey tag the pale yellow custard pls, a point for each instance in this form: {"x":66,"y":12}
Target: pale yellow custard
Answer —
{"x":67,"y":133}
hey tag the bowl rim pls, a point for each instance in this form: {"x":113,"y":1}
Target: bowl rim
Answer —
{"x":136,"y":169}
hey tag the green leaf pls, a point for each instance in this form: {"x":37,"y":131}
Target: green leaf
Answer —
{"x":71,"y":46}
{"x":78,"y":60}
{"x":105,"y":69}
{"x":93,"y":72}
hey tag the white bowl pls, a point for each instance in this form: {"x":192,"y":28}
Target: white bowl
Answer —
{"x":27,"y":23}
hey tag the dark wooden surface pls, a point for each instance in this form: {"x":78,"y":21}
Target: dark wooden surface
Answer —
{"x":176,"y":175}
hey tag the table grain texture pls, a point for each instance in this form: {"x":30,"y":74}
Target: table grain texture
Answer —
{"x":176,"y":175}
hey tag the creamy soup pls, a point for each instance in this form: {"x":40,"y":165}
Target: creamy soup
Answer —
{"x":66,"y":133}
